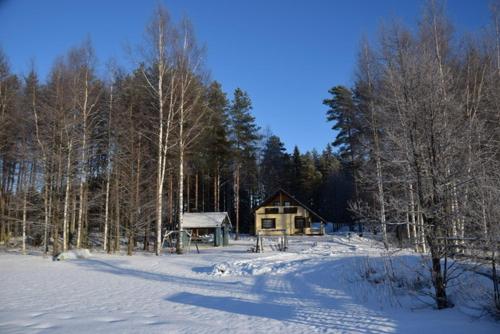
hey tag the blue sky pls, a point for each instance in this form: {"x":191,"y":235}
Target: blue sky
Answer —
{"x":285,"y":54}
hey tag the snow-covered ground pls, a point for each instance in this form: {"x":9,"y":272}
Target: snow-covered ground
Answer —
{"x":330,"y":284}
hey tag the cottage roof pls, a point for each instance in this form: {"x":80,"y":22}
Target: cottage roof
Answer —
{"x":268,"y":200}
{"x":205,"y":219}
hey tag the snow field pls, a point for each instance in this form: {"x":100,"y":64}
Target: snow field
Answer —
{"x":330,"y":284}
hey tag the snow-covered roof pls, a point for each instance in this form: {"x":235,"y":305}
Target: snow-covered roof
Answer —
{"x":205,"y":219}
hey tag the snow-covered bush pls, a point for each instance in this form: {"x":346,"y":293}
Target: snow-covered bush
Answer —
{"x":73,"y":255}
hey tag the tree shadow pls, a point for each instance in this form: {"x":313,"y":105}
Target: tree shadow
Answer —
{"x":319,"y":302}
{"x":301,"y":296}
{"x":317,"y":318}
{"x":307,"y":295}
{"x":234,"y":305}
{"x":115,"y":268}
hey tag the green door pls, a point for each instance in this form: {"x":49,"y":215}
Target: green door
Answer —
{"x":218,"y":237}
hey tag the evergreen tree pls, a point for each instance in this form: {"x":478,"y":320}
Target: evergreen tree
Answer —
{"x":309,"y":179}
{"x":348,"y":126}
{"x":244,"y":137}
{"x":214,"y":145}
{"x":295,"y":173}
{"x":274,"y":165}
{"x":335,"y":189}
{"x":344,"y":115}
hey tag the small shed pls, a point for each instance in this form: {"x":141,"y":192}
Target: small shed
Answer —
{"x":200,"y":223}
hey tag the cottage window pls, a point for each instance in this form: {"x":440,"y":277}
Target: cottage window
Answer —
{"x":272,"y":210}
{"x":291,"y":209}
{"x":268,"y":223}
{"x":276,"y":203}
{"x":287,"y":203}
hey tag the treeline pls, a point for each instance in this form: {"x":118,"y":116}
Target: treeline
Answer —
{"x":420,"y":132}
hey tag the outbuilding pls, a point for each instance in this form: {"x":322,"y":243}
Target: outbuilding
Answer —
{"x":203,"y":223}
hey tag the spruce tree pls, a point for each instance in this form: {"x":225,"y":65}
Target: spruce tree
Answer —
{"x":295,"y":172}
{"x":274,"y":165}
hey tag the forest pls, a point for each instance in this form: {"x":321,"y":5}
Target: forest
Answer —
{"x":113,"y":161}
{"x":89,"y":161}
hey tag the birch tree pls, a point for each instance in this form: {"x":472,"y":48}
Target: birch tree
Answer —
{"x":86,"y":94}
{"x":190,"y":107}
{"x":161,"y":80}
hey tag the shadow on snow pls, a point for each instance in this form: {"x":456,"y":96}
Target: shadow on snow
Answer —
{"x":314,"y":294}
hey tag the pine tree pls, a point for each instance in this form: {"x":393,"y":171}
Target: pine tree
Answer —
{"x":244,"y":136}
{"x":344,"y":115}
{"x":216,"y":139}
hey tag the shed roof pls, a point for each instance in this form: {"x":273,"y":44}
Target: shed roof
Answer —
{"x":205,"y":219}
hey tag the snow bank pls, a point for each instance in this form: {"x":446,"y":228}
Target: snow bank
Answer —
{"x":300,"y":252}
{"x":254,"y":267}
{"x":73,"y":255}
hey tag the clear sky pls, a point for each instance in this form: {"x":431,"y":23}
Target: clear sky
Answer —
{"x":285,"y":54}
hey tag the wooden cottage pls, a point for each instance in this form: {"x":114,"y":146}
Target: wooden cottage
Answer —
{"x":282,"y":212}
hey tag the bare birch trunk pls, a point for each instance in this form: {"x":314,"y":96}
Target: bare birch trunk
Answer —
{"x":106,"y":211}
{"x":108,"y":174}
{"x":50,"y":195}
{"x":170,"y":199}
{"x":117,"y":216}
{"x":46,"y":203}
{"x":412,"y":215}
{"x":180,"y":246}
{"x":137,"y":206}
{"x":408,"y":234}
{"x":66,"y":200}
{"x":25,"y":199}
{"x":376,"y":142}
{"x":83,"y":178}
{"x":163,"y":135}
{"x":422,"y":232}
{"x":72,"y":226}
{"x":381,"y":201}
